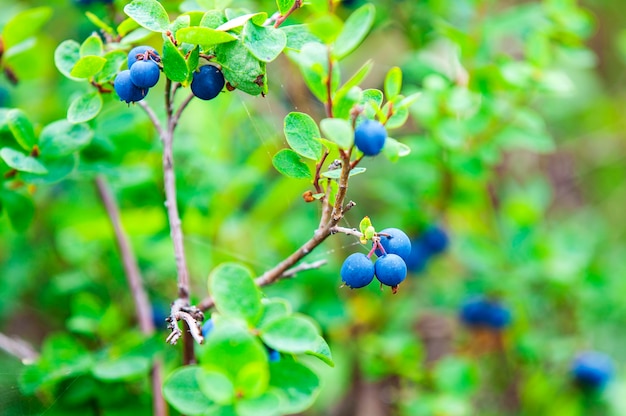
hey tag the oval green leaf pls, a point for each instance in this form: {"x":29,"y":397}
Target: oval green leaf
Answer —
{"x":215,"y":386}
{"x":297,"y":382}
{"x":24,"y":25}
{"x":354,"y":30}
{"x":284,"y":5}
{"x":393,"y":83}
{"x":338,"y":131}
{"x":174,"y":64}
{"x":149,"y":14}
{"x":182,"y":391}
{"x":88,"y":66}
{"x":84,"y":107}
{"x":288,"y":163}
{"x":66,"y":55}
{"x":21,"y":128}
{"x":235,"y":294}
{"x":336,"y":173}
{"x":265,"y":43}
{"x":302,"y":133}
{"x":21,"y":162}
{"x":293,"y":334}
{"x":123,"y":368}
{"x":92,"y":46}
{"x":203,"y":36}
{"x":61,"y":138}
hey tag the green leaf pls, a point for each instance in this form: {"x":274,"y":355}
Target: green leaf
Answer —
{"x":267,"y":404}
{"x":21,"y":162}
{"x":127,"y":26}
{"x":302,"y":133}
{"x":192,"y":62}
{"x":66,"y":55}
{"x":393,"y":83}
{"x":92,"y":46}
{"x":274,"y":309}
{"x":257,"y":18}
{"x":344,"y":103}
{"x":235,"y":294}
{"x":115,"y":60}
{"x":322,"y":351}
{"x":398,"y":118}
{"x":354,"y":30}
{"x":174,"y":64}
{"x":61,"y":138}
{"x":182,"y":391}
{"x":294,"y":334}
{"x":215,"y":386}
{"x":21,"y":128}
{"x":149,"y":14}
{"x":87,"y":66}
{"x":181,"y":22}
{"x":233,"y":350}
{"x":394,"y":149}
{"x":241,"y":69}
{"x":371,"y":101}
{"x":288,"y":163}
{"x":265,"y":43}
{"x":100,"y":23}
{"x":284,"y":6}
{"x":355,"y":79}
{"x":198,"y":35}
{"x":298,"y":36}
{"x":212,"y":19}
{"x":338,"y":131}
{"x":24,"y":25}
{"x":123,"y":368}
{"x":299,"y":384}
{"x":326,"y":27}
{"x":58,"y":168}
{"x":313,"y":62}
{"x":19,"y":208}
{"x":336,"y":173}
{"x":85,"y":107}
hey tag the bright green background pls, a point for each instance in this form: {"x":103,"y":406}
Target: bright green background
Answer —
{"x":524,"y":168}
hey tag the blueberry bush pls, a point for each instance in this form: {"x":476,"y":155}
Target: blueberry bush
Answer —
{"x":254,"y":207}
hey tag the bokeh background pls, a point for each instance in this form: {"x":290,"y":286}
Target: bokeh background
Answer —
{"x":518,"y":154}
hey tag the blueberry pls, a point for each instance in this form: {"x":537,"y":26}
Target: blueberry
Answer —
{"x":436,"y":239}
{"x":272,"y":355}
{"x":145,"y":74}
{"x":419,"y":256}
{"x":138,"y":50}
{"x":357,"y":271}
{"x":159,"y":314}
{"x":482,"y":312}
{"x":390,"y":269}
{"x":592,"y":370}
{"x":396,"y":242}
{"x":207,"y":82}
{"x":207,"y":327}
{"x":369,"y":137}
{"x":126,"y":90}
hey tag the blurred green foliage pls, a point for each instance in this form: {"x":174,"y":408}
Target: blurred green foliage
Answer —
{"x":516,"y":150}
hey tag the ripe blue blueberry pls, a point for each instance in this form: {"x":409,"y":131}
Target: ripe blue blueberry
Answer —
{"x":395,"y":242}
{"x":357,"y":271}
{"x":390,"y":269}
{"x":207,"y":82}
{"x":436,"y":239}
{"x":272,"y":355}
{"x":159,"y":314}
{"x":482,"y":312}
{"x":207,"y":327}
{"x":592,"y":370}
{"x":145,"y":74}
{"x":139,"y":50}
{"x":126,"y":90}
{"x":370,"y":137}
{"x":418,"y":257}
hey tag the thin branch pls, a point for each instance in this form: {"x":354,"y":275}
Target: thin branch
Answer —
{"x":18,"y":348}
{"x":179,"y":112}
{"x":153,"y":117}
{"x":329,"y":86}
{"x":348,"y":231}
{"x":280,"y":19}
{"x":208,"y":303}
{"x":143,"y":308}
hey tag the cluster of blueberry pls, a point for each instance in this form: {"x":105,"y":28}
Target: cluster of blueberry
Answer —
{"x":272,"y":355}
{"x":480,"y":312}
{"x":392,"y":249}
{"x":433,"y":241}
{"x":143,"y":72}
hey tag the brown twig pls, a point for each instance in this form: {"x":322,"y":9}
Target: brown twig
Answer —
{"x":280,"y":19}
{"x":328,"y":105}
{"x":143,"y":309}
